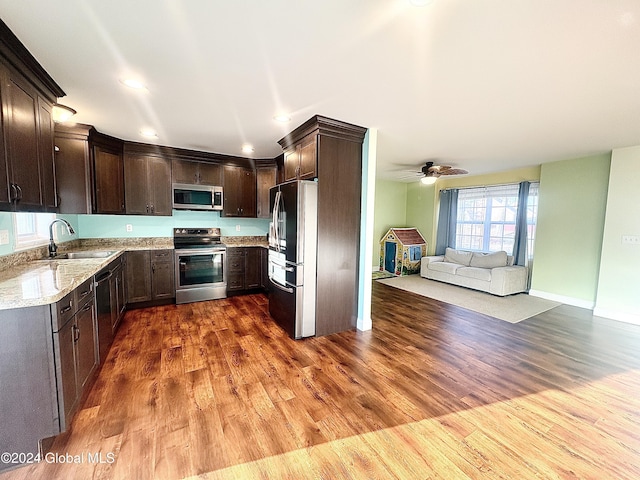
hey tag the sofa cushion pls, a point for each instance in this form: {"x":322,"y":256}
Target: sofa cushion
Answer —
{"x":489,"y":260}
{"x":483,"y":274}
{"x":445,"y":267}
{"x":457,"y":256}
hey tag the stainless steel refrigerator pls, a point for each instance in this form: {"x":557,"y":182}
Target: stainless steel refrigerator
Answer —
{"x":293,"y":233}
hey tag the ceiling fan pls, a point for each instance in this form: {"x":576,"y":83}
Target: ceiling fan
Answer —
{"x":431,"y":172}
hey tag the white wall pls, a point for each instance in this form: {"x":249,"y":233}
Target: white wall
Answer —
{"x":618,"y":294}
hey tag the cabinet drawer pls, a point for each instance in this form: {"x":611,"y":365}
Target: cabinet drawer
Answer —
{"x":161,"y":255}
{"x":235,"y":263}
{"x":235,"y":281}
{"x":62,"y":311}
{"x":83,"y":294}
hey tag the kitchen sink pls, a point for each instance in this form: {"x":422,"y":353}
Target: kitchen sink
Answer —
{"x":83,"y":255}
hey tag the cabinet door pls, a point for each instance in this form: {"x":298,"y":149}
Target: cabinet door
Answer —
{"x":21,"y":134}
{"x":72,"y":173}
{"x":163,"y":280}
{"x":121,"y":298}
{"x":159,"y":175}
{"x":85,"y":341}
{"x":235,"y":268}
{"x":232,"y":191}
{"x":252,"y":267}
{"x":264,"y":273}
{"x":265,"y":179}
{"x":184,"y":171}
{"x":109,"y":181}
{"x":209,"y":174}
{"x":308,"y":159}
{"x":136,"y":185}
{"x":138,"y":277}
{"x":291,"y":164}
{"x":45,"y":145}
{"x":248,"y":189}
{"x":67,"y":369}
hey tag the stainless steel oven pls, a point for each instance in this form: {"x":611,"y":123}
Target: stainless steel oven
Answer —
{"x":200,"y":259}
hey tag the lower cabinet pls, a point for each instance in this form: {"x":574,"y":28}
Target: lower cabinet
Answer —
{"x":149,"y":276}
{"x":74,"y":343}
{"x":244,"y":269}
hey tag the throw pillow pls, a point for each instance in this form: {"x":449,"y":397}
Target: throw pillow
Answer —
{"x":457,"y":256}
{"x":489,"y":260}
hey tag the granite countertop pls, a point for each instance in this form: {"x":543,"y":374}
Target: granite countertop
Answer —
{"x":42,"y":282}
{"x":27,"y":279}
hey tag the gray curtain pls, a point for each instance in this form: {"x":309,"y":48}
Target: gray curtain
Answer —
{"x":520,"y":256}
{"x":446,"y":233}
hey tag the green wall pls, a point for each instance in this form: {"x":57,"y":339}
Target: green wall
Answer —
{"x":390,"y":211}
{"x":571,"y":215}
{"x":421,"y":208}
{"x":619,"y":273}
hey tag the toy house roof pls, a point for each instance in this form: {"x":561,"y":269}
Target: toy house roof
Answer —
{"x":406,"y":236}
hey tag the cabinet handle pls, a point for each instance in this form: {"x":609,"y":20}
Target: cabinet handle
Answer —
{"x":153,"y":269}
{"x":152,"y":208}
{"x":67,"y":308}
{"x":58,"y":200}
{"x":76,"y":334}
{"x":87,"y":307}
{"x":19,"y":191}
{"x":14,"y":193}
{"x":147,"y":208}
{"x":85,"y":293}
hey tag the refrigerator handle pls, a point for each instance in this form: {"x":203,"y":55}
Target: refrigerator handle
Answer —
{"x":286,"y":289}
{"x":275,"y":218}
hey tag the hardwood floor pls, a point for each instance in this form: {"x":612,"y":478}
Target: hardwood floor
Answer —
{"x":217,"y":390}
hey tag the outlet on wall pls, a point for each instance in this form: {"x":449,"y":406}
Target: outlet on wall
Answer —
{"x":237,"y":228}
{"x":129,"y":227}
{"x":632,"y":239}
{"x":4,"y":237}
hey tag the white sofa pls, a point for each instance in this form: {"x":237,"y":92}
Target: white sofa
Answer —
{"x":490,"y":272}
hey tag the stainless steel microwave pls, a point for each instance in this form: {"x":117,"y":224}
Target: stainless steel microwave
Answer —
{"x":196,"y":197}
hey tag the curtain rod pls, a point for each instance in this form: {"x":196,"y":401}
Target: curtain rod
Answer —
{"x":492,"y":185}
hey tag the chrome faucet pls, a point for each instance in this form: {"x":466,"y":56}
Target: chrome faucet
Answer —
{"x":53,"y":248}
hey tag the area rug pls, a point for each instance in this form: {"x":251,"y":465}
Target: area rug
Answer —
{"x":513,"y":308}
{"x":377,"y":274}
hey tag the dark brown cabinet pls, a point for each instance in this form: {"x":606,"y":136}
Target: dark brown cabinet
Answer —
{"x":147,"y":182}
{"x":150,"y":276}
{"x":198,"y":173}
{"x":108,"y":173}
{"x":336,"y":149}
{"x":73,"y":174}
{"x":28,"y":143}
{"x":74,"y":347}
{"x":265,"y":179}
{"x":300,"y":160}
{"x":244,"y":268}
{"x":239,"y":191}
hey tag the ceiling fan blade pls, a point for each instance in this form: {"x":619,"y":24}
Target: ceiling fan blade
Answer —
{"x":453,"y":171}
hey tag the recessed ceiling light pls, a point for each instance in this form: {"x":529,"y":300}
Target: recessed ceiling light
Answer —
{"x":133,"y":83}
{"x":148,"y":133}
{"x":247,"y":149}
{"x":283,"y":118}
{"x":420,"y":3}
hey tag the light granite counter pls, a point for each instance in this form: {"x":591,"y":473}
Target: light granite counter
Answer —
{"x":27,"y":279}
{"x":43,"y":282}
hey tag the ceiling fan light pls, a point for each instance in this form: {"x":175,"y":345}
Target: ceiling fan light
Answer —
{"x":428,"y":180}
{"x":62,"y":113}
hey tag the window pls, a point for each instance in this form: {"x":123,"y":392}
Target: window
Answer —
{"x":31,"y":229}
{"x":486,"y":219}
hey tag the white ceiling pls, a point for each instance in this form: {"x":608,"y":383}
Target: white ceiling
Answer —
{"x":483,"y":85}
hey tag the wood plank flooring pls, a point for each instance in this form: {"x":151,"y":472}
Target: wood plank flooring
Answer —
{"x":217,"y":390}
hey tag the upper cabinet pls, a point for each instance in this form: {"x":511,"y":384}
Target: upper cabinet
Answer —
{"x":73,"y":174}
{"x":196,"y":173}
{"x":265,"y":179}
{"x":107,"y":165}
{"x":27,"y":95}
{"x":147,"y":181}
{"x":239,"y":185}
{"x":300,"y":160}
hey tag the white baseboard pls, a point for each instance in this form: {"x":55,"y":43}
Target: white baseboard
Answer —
{"x":626,"y":317}
{"x":364,"y":324}
{"x":575,"y":302}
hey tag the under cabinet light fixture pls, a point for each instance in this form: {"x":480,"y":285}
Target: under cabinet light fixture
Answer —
{"x":62,"y":113}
